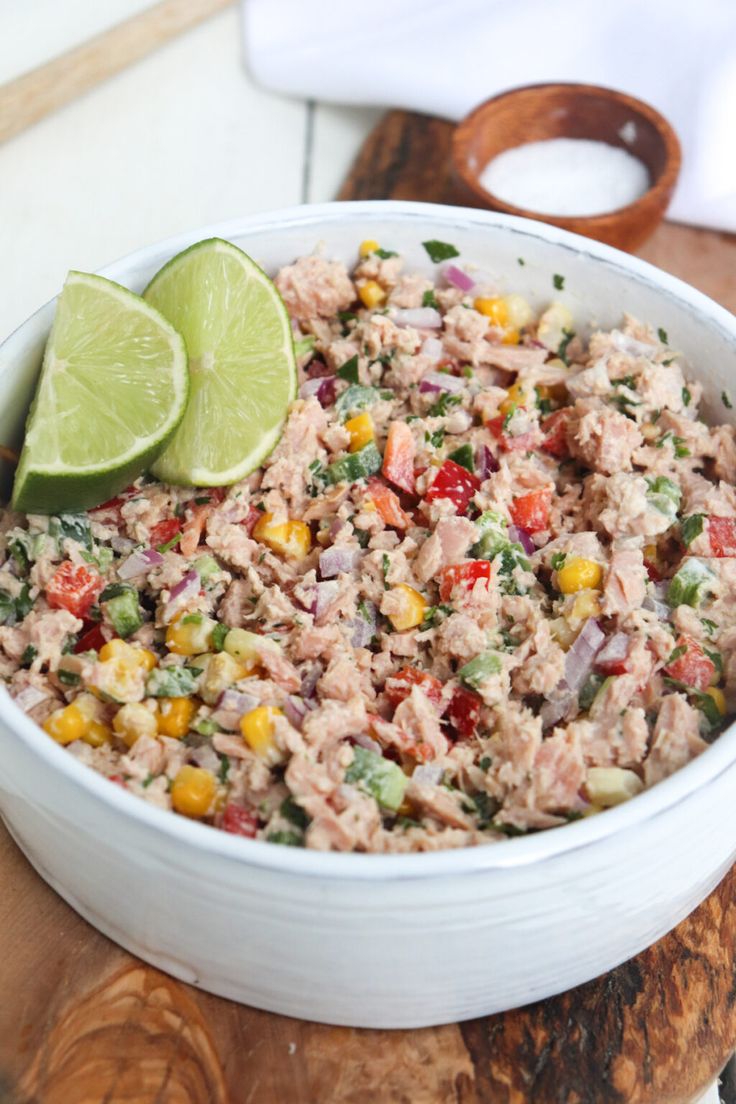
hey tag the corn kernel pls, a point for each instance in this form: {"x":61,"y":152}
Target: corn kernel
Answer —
{"x":189,"y":633}
{"x":554,"y":323}
{"x":411,"y":609}
{"x":608,"y":786}
{"x":718,"y":697}
{"x":579,"y":574}
{"x":114,"y":649}
{"x":222,"y":671}
{"x":257,"y":729}
{"x":246,"y":647}
{"x":517,"y":395}
{"x":193,"y":791}
{"x":495,"y":309}
{"x":585,"y":605}
{"x":367,"y":247}
{"x":562,"y":632}
{"x":147,"y":658}
{"x":66,"y":725}
{"x":520,"y":314}
{"x":174,"y":716}
{"x":96,"y":734}
{"x":511,"y":337}
{"x":292,"y":539}
{"x":120,"y":650}
{"x":361,"y":431}
{"x":371,"y":294}
{"x":133,"y":721}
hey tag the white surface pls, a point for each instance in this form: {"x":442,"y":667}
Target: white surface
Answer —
{"x":404,"y":940}
{"x":182,"y":138}
{"x":446,"y":58}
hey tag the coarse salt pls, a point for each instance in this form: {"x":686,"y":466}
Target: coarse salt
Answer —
{"x":566,"y":176}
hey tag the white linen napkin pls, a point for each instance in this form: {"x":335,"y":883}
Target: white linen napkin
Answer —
{"x":445,"y":56}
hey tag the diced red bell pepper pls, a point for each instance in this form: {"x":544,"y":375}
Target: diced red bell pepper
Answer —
{"x":455,"y":482}
{"x":464,"y":712}
{"x":505,"y":441}
{"x":693,"y":667}
{"x":722,"y":535}
{"x":387,"y":504}
{"x":466,"y":574}
{"x":399,"y":686}
{"x":398,"y":457}
{"x":555,"y":430}
{"x":164,"y":531}
{"x":531,"y":511}
{"x":74,"y":587}
{"x":91,"y":640}
{"x":239,"y":821}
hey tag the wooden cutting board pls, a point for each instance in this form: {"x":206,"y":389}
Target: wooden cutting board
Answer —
{"x":83,"y":1022}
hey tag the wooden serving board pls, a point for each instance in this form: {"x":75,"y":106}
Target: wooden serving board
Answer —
{"x":83,"y":1022}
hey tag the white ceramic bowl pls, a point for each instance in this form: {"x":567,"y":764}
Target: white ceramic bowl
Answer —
{"x":396,"y":940}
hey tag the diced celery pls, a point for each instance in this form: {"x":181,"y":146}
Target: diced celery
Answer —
{"x":492,"y":535}
{"x":357,"y":465}
{"x":355,"y":398}
{"x":379,"y":777}
{"x":691,"y":528}
{"x":664,"y":495}
{"x":478,"y":670}
{"x":123,"y":610}
{"x":171,"y":682}
{"x":691,"y":583}
{"x":206,"y":566}
{"x":304,"y":345}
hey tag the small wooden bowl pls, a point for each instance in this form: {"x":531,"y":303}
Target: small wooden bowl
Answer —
{"x":541,"y":111}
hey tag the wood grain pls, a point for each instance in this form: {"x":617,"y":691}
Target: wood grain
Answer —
{"x":28,"y":98}
{"x":82,"y":1022}
{"x":407,"y":156}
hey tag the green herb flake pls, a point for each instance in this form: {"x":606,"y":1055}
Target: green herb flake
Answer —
{"x":520,"y":261}
{"x":691,"y":528}
{"x":485,"y":763}
{"x":29,"y":654}
{"x":709,"y":626}
{"x":443,"y":405}
{"x":686,"y":396}
{"x":676,"y":654}
{"x":726,"y":400}
{"x":68,"y":678}
{"x":385,"y":254}
{"x":436,"y":438}
{"x":386,"y":567}
{"x":287,"y":839}
{"x":170,"y":543}
{"x":557,"y":560}
{"x":662,"y":335}
{"x":558,"y":281}
{"x":218,"y":637}
{"x":440,"y":251}
{"x":562,"y":347}
{"x":429,"y":299}
{"x":294,"y":813}
{"x":349,"y":370}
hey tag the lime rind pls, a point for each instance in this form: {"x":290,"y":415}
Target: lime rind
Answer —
{"x":113,"y":388}
{"x":242,"y":363}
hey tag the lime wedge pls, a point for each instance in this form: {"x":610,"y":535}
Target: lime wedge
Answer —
{"x":241,"y":360}
{"x":113,"y":388}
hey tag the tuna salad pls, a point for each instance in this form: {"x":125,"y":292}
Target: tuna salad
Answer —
{"x":482,"y":586}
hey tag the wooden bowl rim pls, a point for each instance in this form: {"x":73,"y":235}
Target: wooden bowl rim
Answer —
{"x":662,"y":184}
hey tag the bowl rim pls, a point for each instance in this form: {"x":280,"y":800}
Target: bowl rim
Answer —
{"x":663,"y":183}
{"x":507,"y":854}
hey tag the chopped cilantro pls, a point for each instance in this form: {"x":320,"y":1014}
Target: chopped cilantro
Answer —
{"x":520,"y":261}
{"x":678,"y":444}
{"x":676,"y":654}
{"x":662,"y":335}
{"x":288,"y":839}
{"x":444,"y":402}
{"x":557,"y":560}
{"x":23,"y":603}
{"x":440,"y":251}
{"x":716,"y":659}
{"x":558,"y":281}
{"x":7,"y":608}
{"x":507,"y":417}
{"x":294,"y":813}
{"x":686,"y":396}
{"x":429,"y":299}
{"x":562,"y":347}
{"x":386,"y":567}
{"x":384,"y":254}
{"x":709,"y":626}
{"x":625,"y":381}
{"x":435,"y":615}
{"x":28,"y":656}
{"x":349,"y":370}
{"x":435,"y":438}
{"x":202,"y":500}
{"x":726,"y":400}
{"x":485,"y":762}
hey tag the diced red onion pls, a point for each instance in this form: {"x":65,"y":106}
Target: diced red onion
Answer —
{"x":310,"y":678}
{"x":230,"y":707}
{"x":428,"y":774}
{"x":320,"y":388}
{"x":205,"y":756}
{"x":421,"y":318}
{"x":485,"y":462}
{"x":139,"y":563}
{"x":337,"y":559}
{"x":433,"y":349}
{"x":522,"y":537}
{"x":295,"y":710}
{"x":654,"y":605}
{"x":364,"y":627}
{"x":326,"y":594}
{"x":441,"y":381}
{"x":336,"y":526}
{"x":615,"y":650}
{"x":31,"y":696}
{"x":189,"y":584}
{"x":579,"y":659}
{"x":458,"y":278}
{"x":367,"y":742}
{"x":317,"y":368}
{"x":121,"y":545}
